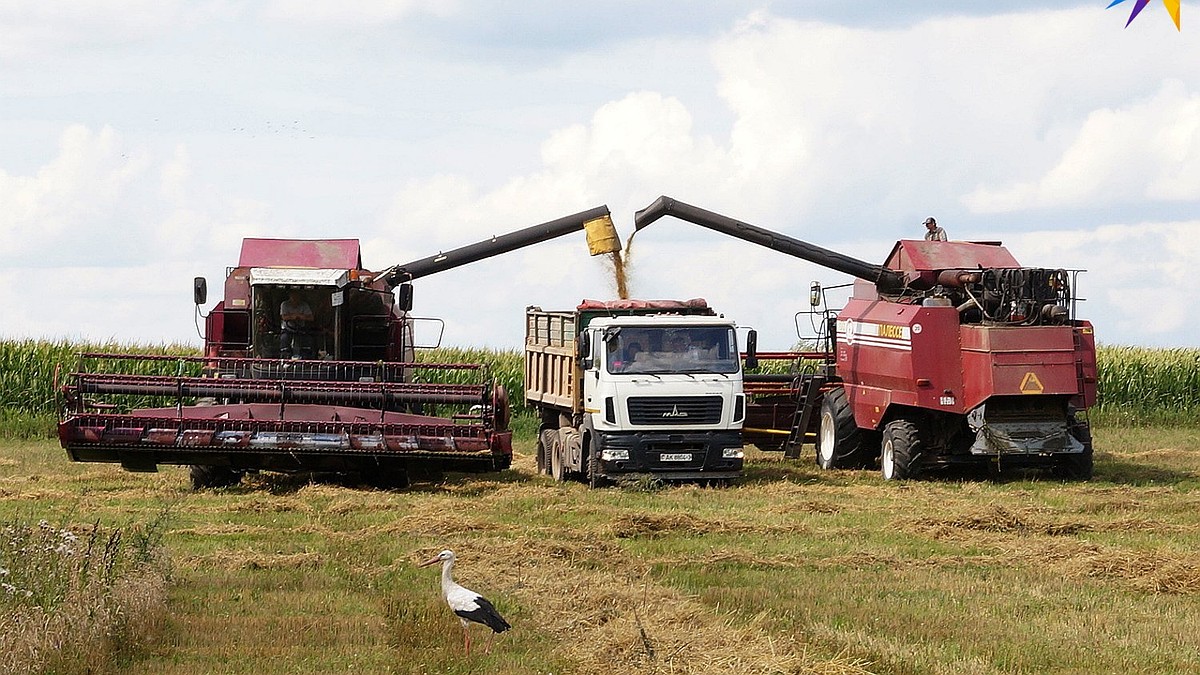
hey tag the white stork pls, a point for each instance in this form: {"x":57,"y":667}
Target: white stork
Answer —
{"x":467,"y":604}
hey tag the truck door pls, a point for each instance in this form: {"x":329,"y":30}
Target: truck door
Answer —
{"x":592,"y":365}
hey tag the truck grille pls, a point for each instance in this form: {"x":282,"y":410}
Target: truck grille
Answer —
{"x":674,"y":410}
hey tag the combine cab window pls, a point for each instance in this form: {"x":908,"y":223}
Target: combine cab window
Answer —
{"x":276,"y":338}
{"x":632,"y":350}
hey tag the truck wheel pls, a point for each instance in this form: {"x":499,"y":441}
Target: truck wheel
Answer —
{"x":902,"y":448}
{"x":546,"y":440}
{"x":213,"y":476}
{"x":595,"y":476}
{"x":555,"y":451}
{"x":840,"y":443}
{"x":1077,"y":466}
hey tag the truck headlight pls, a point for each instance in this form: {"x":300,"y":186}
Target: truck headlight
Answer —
{"x":614,"y":453}
{"x":732,"y":453}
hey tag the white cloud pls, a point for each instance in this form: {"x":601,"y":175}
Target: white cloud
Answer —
{"x":37,"y":27}
{"x":77,"y":192}
{"x":1139,"y":280}
{"x":1146,"y":150}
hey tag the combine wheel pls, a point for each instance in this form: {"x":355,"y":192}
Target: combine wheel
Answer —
{"x":1077,"y":466}
{"x":840,"y":443}
{"x":902,"y":447}
{"x":391,"y":479}
{"x":214,"y":477}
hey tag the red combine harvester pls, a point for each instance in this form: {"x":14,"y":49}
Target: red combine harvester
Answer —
{"x":308,"y":366}
{"x":950,"y":353}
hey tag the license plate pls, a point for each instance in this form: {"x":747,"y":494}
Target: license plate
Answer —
{"x":676,"y":457}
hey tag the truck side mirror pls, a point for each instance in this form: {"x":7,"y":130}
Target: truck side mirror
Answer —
{"x":814,"y":294}
{"x":199,"y":290}
{"x":585,"y":351}
{"x":751,"y":350}
{"x":404,"y":299}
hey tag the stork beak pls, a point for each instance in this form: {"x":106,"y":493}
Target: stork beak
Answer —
{"x":429,"y":562}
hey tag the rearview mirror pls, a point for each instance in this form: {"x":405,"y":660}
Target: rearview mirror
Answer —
{"x":751,"y":350}
{"x":584,"y":351}
{"x":199,"y":290}
{"x":814,"y":294}
{"x":404,"y":299}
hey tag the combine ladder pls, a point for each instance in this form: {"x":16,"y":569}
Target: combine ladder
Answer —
{"x":808,"y":394}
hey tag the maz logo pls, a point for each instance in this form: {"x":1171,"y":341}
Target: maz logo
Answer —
{"x":675,"y":412}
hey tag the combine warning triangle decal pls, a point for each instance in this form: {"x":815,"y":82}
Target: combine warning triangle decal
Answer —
{"x":1031,"y":384}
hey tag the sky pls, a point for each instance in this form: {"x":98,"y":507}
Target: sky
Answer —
{"x":141,"y":140}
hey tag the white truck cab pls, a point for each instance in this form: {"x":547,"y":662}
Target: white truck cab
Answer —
{"x":654,"y":389}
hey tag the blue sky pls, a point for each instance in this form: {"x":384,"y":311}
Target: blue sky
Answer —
{"x":140,"y":140}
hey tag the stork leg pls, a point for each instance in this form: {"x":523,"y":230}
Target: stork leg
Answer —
{"x":487,"y":648}
{"x":467,"y":640}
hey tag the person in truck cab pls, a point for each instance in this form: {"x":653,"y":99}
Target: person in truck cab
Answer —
{"x":295,"y":325}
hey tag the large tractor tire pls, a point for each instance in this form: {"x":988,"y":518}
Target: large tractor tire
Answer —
{"x":902,"y":447}
{"x":1077,"y":466}
{"x":841,"y":444}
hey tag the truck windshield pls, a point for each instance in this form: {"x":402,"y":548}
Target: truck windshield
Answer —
{"x":693,"y":349}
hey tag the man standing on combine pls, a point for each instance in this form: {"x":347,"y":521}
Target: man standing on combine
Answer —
{"x":933,"y":232}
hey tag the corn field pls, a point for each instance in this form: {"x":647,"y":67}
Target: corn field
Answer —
{"x":1137,"y":385}
{"x":1146,"y":386}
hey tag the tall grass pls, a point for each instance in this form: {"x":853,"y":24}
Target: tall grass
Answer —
{"x":1143,"y":386}
{"x":32,"y":370}
{"x":74,"y":600}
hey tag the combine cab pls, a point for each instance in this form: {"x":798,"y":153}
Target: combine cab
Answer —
{"x":308,"y":366}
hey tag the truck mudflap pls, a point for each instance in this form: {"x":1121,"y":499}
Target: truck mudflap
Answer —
{"x":702,"y":455}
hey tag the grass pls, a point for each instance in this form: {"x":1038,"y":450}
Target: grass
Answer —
{"x":77,"y":598}
{"x":794,"y":570}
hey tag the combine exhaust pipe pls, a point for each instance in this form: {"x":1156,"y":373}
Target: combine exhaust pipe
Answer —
{"x":886,"y":280}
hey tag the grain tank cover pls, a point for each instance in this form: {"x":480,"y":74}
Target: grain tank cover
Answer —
{"x":914,"y":255}
{"x":312,"y":253}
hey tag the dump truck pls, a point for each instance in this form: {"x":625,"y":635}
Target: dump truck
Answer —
{"x":949,"y":354}
{"x":308,"y":366}
{"x":631,"y":388}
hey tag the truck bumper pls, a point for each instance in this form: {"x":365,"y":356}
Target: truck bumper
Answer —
{"x":698,"y":455}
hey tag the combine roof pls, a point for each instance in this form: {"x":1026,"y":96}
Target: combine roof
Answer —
{"x":341,"y":254}
{"x":920,"y":255}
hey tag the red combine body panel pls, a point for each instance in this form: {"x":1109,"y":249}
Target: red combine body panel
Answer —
{"x":948,"y":353}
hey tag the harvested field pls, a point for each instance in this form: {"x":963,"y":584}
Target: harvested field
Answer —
{"x":792,"y":571}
